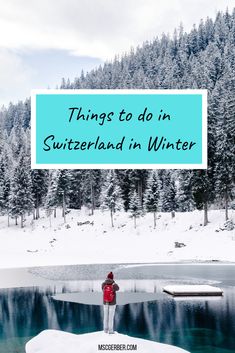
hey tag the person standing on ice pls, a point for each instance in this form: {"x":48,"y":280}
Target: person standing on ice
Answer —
{"x":109,"y":288}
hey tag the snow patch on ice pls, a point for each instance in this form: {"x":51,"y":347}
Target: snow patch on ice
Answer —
{"x":192,"y":290}
{"x":52,"y":341}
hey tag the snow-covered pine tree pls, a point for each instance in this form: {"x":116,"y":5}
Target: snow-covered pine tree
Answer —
{"x":63,"y":190}
{"x":21,"y":197}
{"x":91,"y":188}
{"x":185,"y":202}
{"x":39,"y":188}
{"x":75,"y":195}
{"x":2,"y":187}
{"x":135,"y":206}
{"x":138,"y":179}
{"x":140,"y":80}
{"x":225,"y":146}
{"x":111,"y":197}
{"x":167,"y":201}
{"x":17,"y":141}
{"x":2,"y":131}
{"x":2,"y":180}
{"x":4,"y":183}
{"x":125,"y":183}
{"x":27,"y":113}
{"x":51,"y":200}
{"x":203,"y":191}
{"x":64,"y":83}
{"x":10,"y":116}
{"x":6,"y":165}
{"x":152,"y":195}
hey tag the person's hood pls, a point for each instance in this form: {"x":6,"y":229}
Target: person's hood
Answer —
{"x":109,"y":281}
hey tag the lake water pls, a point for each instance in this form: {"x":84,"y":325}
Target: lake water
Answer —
{"x":199,"y":325}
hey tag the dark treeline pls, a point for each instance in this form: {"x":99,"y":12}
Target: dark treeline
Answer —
{"x":202,"y":58}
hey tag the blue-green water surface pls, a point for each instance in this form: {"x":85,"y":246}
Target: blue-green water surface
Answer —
{"x":199,"y":325}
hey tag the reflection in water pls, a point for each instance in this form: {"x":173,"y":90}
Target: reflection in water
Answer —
{"x":200,"y":326}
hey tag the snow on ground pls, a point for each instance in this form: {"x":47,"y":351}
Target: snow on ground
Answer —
{"x":52,"y":341}
{"x":86,"y":239}
{"x":186,"y":290}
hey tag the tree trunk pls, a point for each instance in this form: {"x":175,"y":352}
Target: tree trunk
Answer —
{"x":50,"y":220}
{"x":226,"y":203}
{"x":111,"y":214}
{"x":154,"y":219}
{"x":16,"y":221}
{"x":140,"y":191}
{"x":38,"y":213}
{"x":92,"y":199}
{"x":205,"y":206}
{"x":37,"y":207}
{"x":22,"y":221}
{"x":172,"y":214}
{"x":63,"y":209}
{"x":135,"y":221}
{"x":80,"y":200}
{"x":54,"y":212}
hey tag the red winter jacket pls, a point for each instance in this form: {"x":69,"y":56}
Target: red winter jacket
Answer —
{"x":115,"y":289}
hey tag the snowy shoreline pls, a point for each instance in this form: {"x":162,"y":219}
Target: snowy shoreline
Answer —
{"x":52,"y":341}
{"x":42,"y":276}
{"x":90,"y":239}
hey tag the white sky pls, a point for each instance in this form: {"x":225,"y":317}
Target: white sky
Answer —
{"x":94,"y":29}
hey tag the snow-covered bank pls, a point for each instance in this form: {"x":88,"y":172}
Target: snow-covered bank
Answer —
{"x":51,"y":341}
{"x":86,"y":239}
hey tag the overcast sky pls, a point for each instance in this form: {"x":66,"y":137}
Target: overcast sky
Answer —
{"x":42,"y":41}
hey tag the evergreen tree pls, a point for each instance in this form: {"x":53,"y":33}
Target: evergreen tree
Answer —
{"x":39,"y":188}
{"x":75,"y":194}
{"x":63,"y":190}
{"x":168,"y":193}
{"x":51,"y":200}
{"x":111,"y":198}
{"x":125,"y":182}
{"x":21,"y":198}
{"x":225,"y":146}
{"x":4,"y":185}
{"x":138,"y":179}
{"x":6,"y":164}
{"x":203,"y":191}
{"x":152,"y":195}
{"x":135,"y":206}
{"x":184,"y":194}
{"x":91,"y":188}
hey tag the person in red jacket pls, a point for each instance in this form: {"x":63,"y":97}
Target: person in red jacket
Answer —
{"x":109,"y":288}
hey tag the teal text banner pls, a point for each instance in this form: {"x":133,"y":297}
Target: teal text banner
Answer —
{"x":119,"y":129}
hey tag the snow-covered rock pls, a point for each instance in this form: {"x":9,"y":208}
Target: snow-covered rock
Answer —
{"x":52,"y":341}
